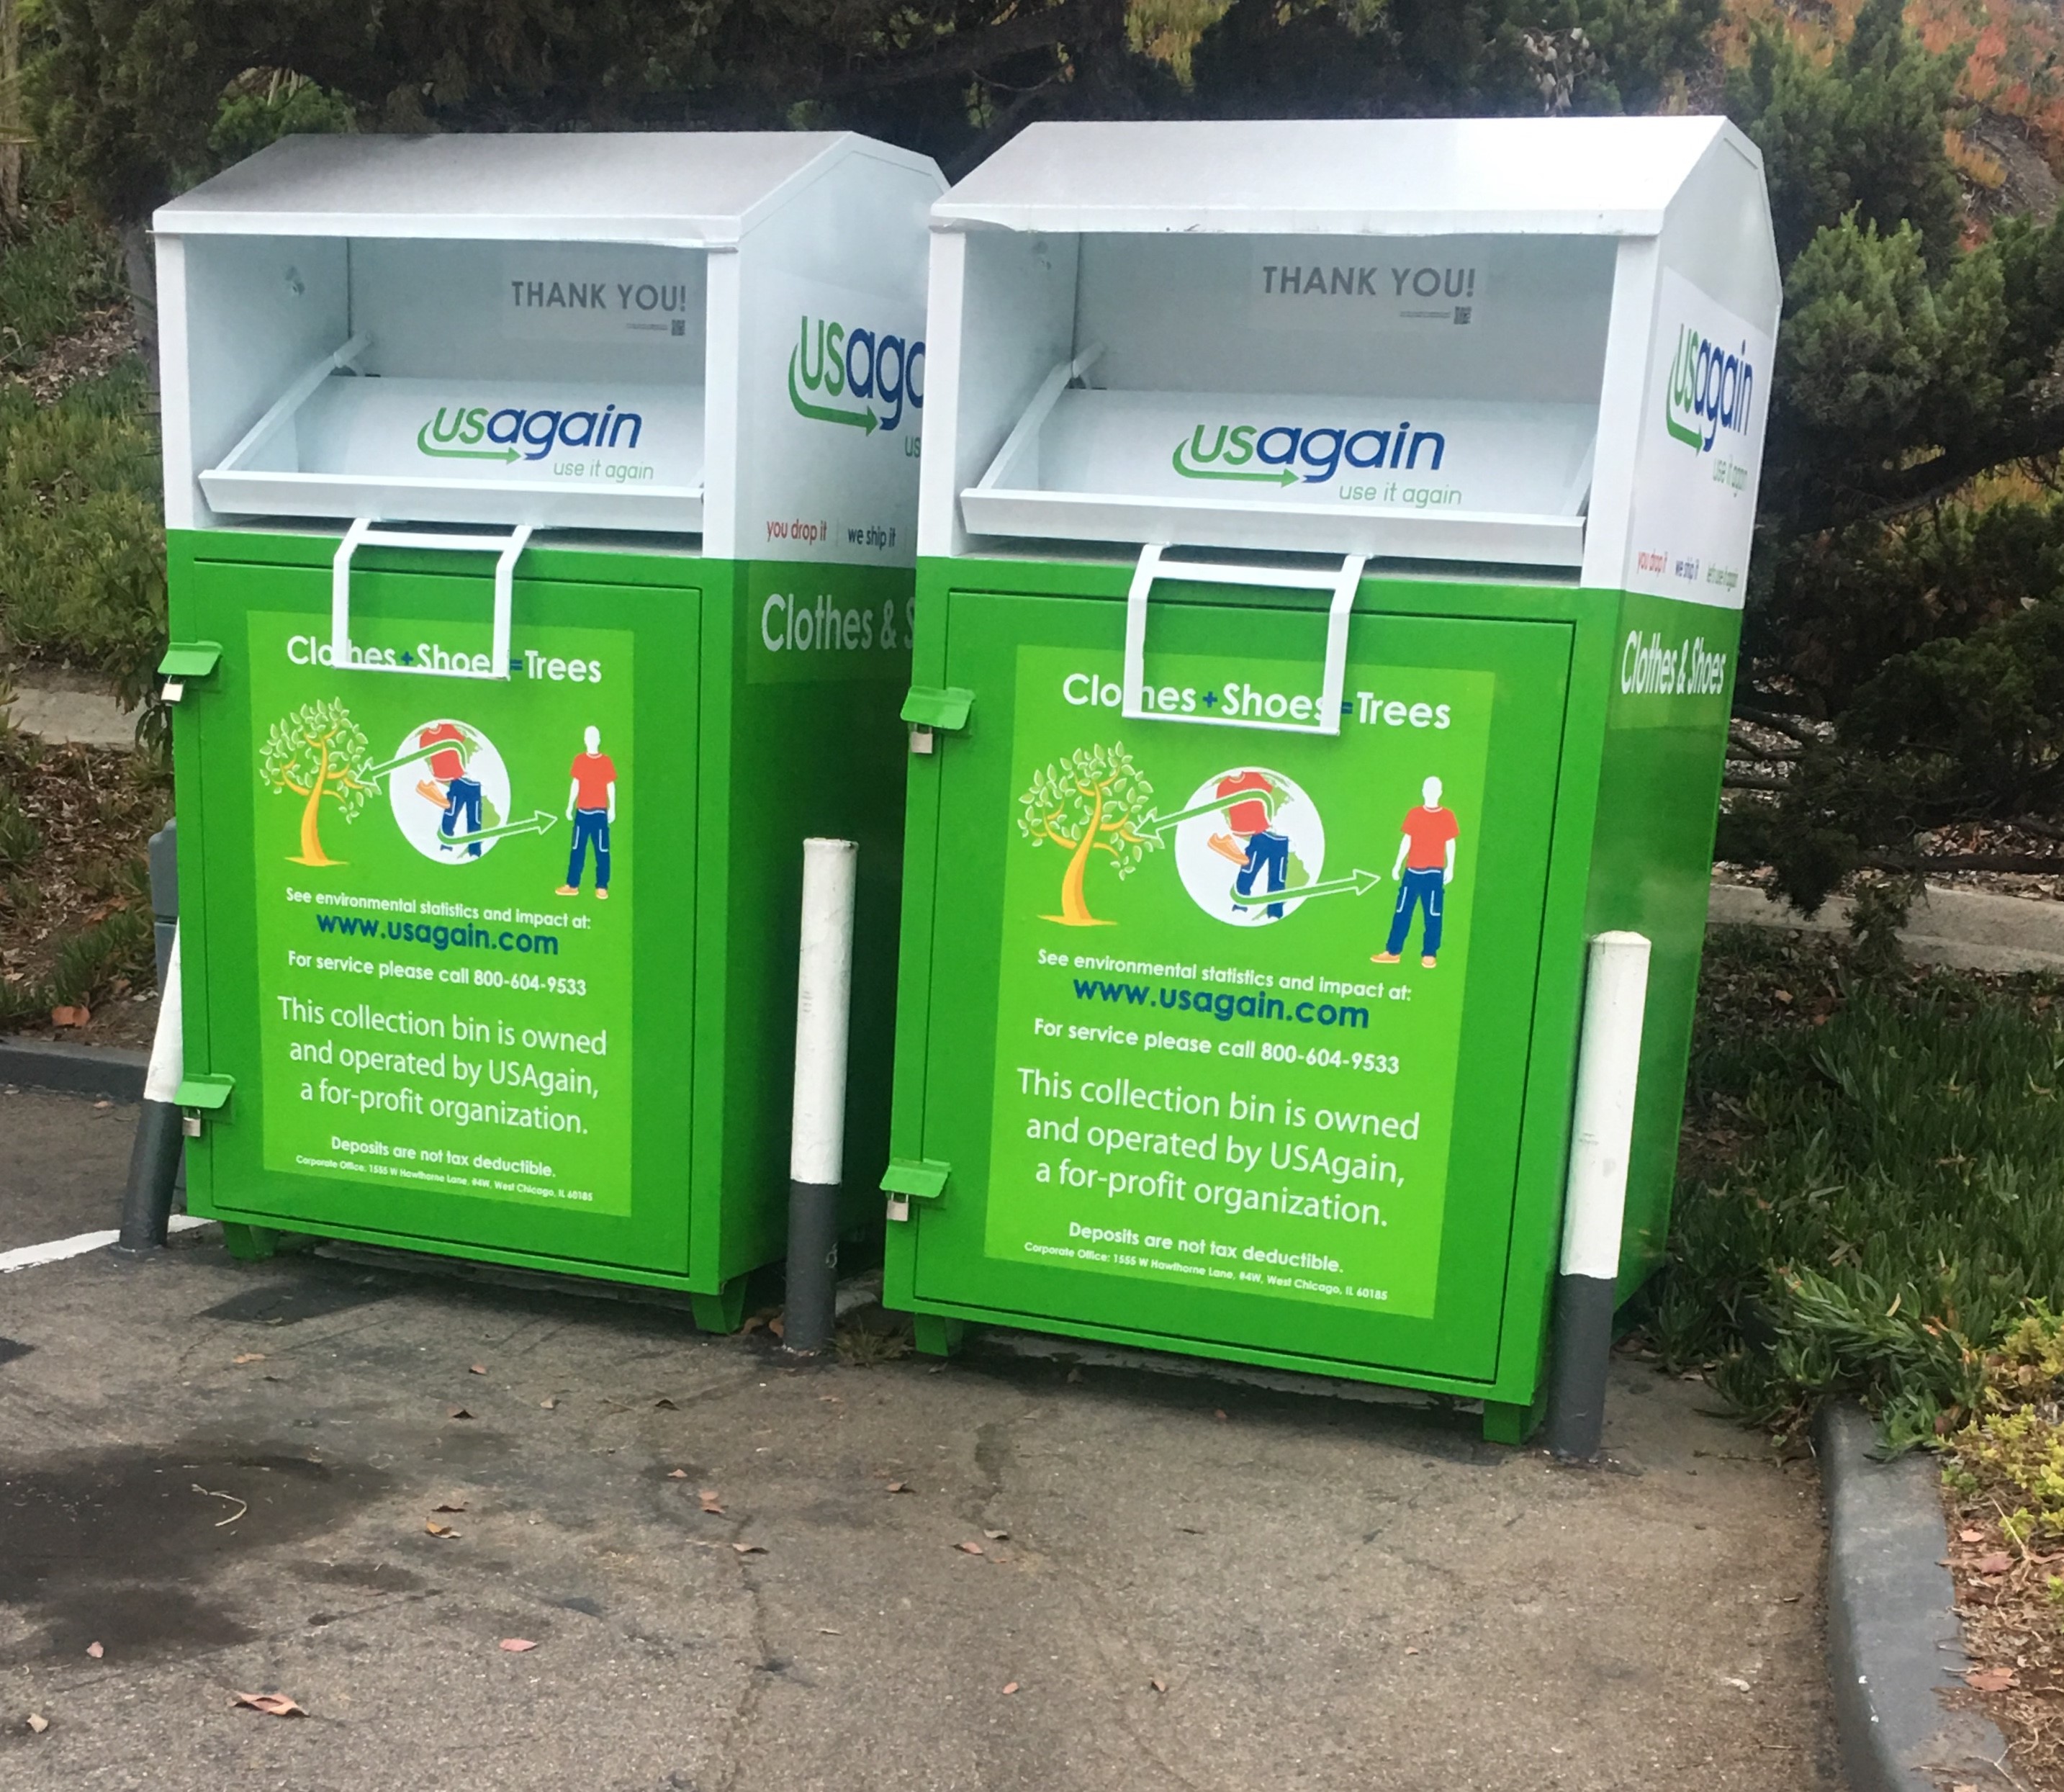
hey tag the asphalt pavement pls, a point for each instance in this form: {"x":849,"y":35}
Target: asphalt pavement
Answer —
{"x":355,"y":1484}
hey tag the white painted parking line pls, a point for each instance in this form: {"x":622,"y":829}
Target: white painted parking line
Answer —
{"x":27,"y":1257}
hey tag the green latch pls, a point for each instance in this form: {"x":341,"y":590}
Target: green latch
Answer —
{"x":911,"y":1179}
{"x":184,"y":661}
{"x":196,"y":1095}
{"x":936,"y":706}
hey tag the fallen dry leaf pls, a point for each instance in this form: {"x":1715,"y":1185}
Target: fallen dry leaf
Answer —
{"x":1997,"y":1562}
{"x":1413,"y":1651}
{"x":996,"y":1536}
{"x":95,"y":1651}
{"x":751,"y":1325}
{"x":1219,"y":1413}
{"x":37,"y":1723}
{"x":1970,"y":1537}
{"x":450,"y":1506}
{"x":971,"y":1548}
{"x":665,"y":1405}
{"x":710,"y":1503}
{"x":518,"y":1645}
{"x":437,"y":1530}
{"x":677,"y":1475}
{"x":1010,"y":1687}
{"x":1158,"y":1686}
{"x":459,"y":1412}
{"x":899,"y":1487}
{"x":477,"y":1369}
{"x":1989,"y":1680}
{"x":70,"y":1015}
{"x":548,"y":1404}
{"x":779,"y":1326}
{"x":249,"y":1356}
{"x":749,"y":1548}
{"x":273,"y":1705}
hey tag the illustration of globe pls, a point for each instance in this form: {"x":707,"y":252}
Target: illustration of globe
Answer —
{"x":419,"y":798}
{"x":1258,"y":828}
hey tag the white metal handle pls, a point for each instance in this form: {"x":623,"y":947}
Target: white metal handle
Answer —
{"x":1343,"y":584}
{"x":363,"y":531}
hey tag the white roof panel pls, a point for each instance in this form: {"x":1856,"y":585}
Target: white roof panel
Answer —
{"x":1586,"y":176}
{"x":677,"y":187}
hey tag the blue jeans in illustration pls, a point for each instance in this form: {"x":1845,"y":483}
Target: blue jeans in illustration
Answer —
{"x":1426,"y":889}
{"x":591,"y":828}
{"x":1271,"y":850}
{"x":463,"y":797}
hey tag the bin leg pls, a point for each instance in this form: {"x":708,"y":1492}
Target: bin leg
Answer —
{"x":936,"y":1336}
{"x":1507,"y":1422}
{"x":249,"y":1244}
{"x":724,"y":1311}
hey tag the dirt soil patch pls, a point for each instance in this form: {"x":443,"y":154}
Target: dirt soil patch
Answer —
{"x":77,"y":959}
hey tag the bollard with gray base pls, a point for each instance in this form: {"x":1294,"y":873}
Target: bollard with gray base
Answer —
{"x":1608,"y":1076}
{"x":154,"y":1159}
{"x":817,"y":1148}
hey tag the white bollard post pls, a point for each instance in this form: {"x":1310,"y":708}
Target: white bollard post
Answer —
{"x":154,"y":1158}
{"x":1595,"y":1200}
{"x":817,"y":1146}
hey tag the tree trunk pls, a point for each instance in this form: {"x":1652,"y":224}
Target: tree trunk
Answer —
{"x":139,"y":269}
{"x":1074,"y":906}
{"x":311,"y":847}
{"x":13,"y":130}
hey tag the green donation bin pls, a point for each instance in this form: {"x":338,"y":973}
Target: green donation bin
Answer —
{"x":541,"y":513}
{"x":1331,"y":556}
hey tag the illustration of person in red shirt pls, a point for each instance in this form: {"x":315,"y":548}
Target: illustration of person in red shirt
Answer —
{"x":1260,"y":847}
{"x":449,"y":785}
{"x":1426,"y":867}
{"x":591,"y":807}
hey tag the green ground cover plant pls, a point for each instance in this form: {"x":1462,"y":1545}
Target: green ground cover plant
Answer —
{"x":1869,"y":1194}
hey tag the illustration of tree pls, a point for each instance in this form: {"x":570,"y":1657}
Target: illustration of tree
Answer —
{"x":318,"y":752}
{"x":1089,"y":802}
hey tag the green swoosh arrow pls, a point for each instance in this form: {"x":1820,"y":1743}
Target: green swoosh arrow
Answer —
{"x":1355,"y":883}
{"x":1161,"y":824}
{"x":423,"y":443}
{"x":1285,"y":478}
{"x":540,"y":822}
{"x":471,"y":744}
{"x":827,"y":414}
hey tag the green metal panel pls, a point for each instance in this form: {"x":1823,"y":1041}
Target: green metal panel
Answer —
{"x":1670,"y":679}
{"x":1488,"y":1275}
{"x":743,"y":737}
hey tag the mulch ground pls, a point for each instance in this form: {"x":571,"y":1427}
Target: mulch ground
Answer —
{"x":2013,"y":1632}
{"x":95,"y":808}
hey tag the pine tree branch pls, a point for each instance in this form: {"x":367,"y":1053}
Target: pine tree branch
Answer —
{"x":963,"y":52}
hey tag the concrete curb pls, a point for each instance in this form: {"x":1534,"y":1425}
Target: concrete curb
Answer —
{"x":1894,"y":1644}
{"x":115,"y":1071}
{"x":1965,"y":929}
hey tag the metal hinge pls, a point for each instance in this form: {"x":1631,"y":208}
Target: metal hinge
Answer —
{"x":910,"y":1179}
{"x":185,"y":660}
{"x":929,"y":708}
{"x":197,"y":1096}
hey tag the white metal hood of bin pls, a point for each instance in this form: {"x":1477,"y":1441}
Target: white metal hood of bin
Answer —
{"x":698,"y":189}
{"x":1603,"y":177}
{"x":548,"y":329}
{"x":1427,"y":339}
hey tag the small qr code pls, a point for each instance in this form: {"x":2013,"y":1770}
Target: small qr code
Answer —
{"x":680,"y":326}
{"x":1461,"y":313}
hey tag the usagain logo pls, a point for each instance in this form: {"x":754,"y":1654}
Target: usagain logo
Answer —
{"x":833,"y":363}
{"x":1711,"y":389}
{"x":1288,"y":454}
{"x":517,"y":433}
